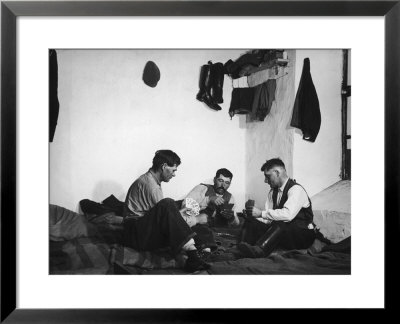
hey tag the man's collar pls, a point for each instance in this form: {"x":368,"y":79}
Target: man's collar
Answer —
{"x":155,"y":176}
{"x":284,"y":184}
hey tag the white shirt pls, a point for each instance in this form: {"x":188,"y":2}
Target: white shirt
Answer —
{"x":297,"y":199}
{"x":198,"y":193}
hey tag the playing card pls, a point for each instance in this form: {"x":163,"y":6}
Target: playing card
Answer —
{"x":193,"y":207}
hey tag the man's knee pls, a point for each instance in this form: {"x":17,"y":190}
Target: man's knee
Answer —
{"x":169,"y":205}
{"x":167,"y":202}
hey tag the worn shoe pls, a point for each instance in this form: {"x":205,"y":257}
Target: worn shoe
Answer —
{"x":250,"y":251}
{"x":195,"y":262}
{"x":205,"y":254}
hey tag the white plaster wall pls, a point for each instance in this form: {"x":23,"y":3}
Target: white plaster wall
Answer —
{"x":111,"y":123}
{"x":317,"y":165}
{"x":272,"y":137}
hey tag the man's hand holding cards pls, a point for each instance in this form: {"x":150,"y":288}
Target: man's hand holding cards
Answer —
{"x":193,"y":207}
{"x":227,"y":212}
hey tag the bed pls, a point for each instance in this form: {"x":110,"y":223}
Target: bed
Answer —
{"x":82,"y":243}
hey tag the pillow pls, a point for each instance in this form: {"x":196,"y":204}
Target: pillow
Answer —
{"x":332,"y":211}
{"x":333,"y":225}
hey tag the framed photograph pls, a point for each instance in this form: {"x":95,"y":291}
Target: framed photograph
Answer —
{"x":93,"y":93}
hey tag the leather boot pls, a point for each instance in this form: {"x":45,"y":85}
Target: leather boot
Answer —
{"x":204,"y":73}
{"x":205,"y":85}
{"x":217,"y":76}
{"x":250,"y":251}
{"x":265,"y":244}
{"x":270,"y":240}
{"x":242,"y":235}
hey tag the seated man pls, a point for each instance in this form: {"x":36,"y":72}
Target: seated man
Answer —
{"x":217,"y":205}
{"x":151,"y":221}
{"x":286,"y":222}
{"x":217,"y":209}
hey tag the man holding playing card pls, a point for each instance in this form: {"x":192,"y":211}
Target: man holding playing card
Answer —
{"x":151,"y":221}
{"x":211,"y":205}
{"x":217,"y":205}
{"x":286,"y":221}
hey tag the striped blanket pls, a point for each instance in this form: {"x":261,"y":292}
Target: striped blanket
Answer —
{"x":91,"y":245}
{"x":81,"y":256}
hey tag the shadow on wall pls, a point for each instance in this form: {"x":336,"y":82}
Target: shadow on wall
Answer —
{"x":105,"y":188}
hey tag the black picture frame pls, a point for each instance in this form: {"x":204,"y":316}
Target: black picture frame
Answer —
{"x":10,"y":10}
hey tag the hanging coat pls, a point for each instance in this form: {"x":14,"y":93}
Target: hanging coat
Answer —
{"x":306,"y":113}
{"x":54,"y":105}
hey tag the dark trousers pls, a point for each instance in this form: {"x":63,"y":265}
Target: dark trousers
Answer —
{"x":162,"y":226}
{"x":291,"y":236}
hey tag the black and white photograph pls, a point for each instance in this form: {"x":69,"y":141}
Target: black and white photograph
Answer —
{"x":200,"y":161}
{"x":164,"y":159}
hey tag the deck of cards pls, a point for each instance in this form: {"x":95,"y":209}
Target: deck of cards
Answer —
{"x":193,"y":207}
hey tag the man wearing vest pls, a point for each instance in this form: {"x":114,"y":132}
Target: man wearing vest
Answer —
{"x":217,"y":209}
{"x":217,"y":205}
{"x":286,"y":222}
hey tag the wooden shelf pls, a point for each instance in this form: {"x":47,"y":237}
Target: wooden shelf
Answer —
{"x":269,"y":65}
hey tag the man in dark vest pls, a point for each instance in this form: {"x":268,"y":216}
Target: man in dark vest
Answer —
{"x":287,"y":220}
{"x":217,"y":209}
{"x":217,"y":205}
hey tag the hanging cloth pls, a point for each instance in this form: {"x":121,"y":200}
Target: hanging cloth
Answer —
{"x":306,"y":113}
{"x":54,"y":105}
{"x":242,"y":101}
{"x":264,"y":95}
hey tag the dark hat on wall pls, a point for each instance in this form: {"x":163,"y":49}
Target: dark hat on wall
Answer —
{"x":151,"y":74}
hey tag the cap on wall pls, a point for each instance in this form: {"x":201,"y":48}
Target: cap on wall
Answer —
{"x":151,"y":74}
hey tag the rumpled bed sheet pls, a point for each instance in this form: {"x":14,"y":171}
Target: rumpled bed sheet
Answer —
{"x":80,"y":246}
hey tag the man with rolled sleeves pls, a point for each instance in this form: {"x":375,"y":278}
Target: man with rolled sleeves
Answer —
{"x":151,"y":221}
{"x":286,"y":221}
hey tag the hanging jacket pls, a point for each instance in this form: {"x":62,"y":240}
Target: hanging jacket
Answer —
{"x":306,"y":113}
{"x":54,"y":105}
